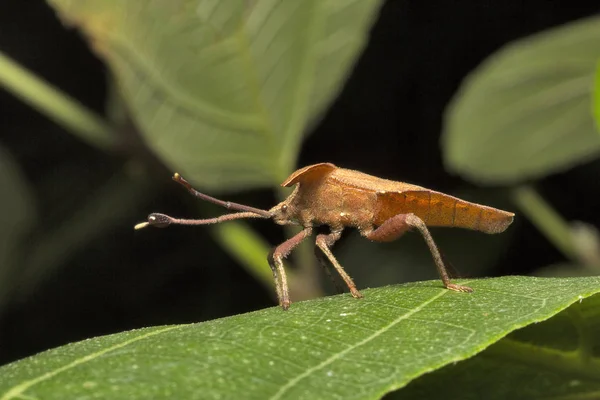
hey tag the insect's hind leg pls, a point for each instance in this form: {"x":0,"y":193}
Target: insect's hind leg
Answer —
{"x":397,"y":225}
{"x":324,"y":242}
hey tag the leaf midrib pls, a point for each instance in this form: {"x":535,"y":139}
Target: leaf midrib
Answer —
{"x":294,"y":381}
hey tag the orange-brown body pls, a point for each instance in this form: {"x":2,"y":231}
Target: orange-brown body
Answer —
{"x":338,"y":197}
{"x":382,"y":210}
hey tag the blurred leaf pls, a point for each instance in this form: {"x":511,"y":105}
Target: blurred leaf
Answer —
{"x":16,"y":219}
{"x":557,"y":359}
{"x":223,"y":90}
{"x":336,"y":347}
{"x":55,"y":104}
{"x":525,"y":113}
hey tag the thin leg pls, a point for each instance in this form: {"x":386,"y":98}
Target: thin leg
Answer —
{"x":395,"y":227}
{"x":324,"y":242}
{"x":275,"y":274}
{"x":327,"y":268}
{"x":276,"y":263}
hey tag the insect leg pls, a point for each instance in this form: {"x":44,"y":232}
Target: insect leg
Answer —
{"x":271,"y":261}
{"x":396,"y":226}
{"x":327,"y":267}
{"x":324,"y":242}
{"x":276,"y":262}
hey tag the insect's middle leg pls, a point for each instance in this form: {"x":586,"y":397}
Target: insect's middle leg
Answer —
{"x":396,"y":226}
{"x":275,"y":259}
{"x":327,"y":266}
{"x":324,"y":242}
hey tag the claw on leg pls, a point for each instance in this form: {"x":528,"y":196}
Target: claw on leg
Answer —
{"x":459,"y":288}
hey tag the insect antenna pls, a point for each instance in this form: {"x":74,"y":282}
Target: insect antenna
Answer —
{"x":227,"y":204}
{"x":159,"y":220}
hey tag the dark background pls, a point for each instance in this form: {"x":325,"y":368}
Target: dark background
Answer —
{"x":387,"y":122}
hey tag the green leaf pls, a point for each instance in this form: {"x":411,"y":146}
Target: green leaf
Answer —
{"x":558,"y":359}
{"x":16,"y":220}
{"x":336,"y":347}
{"x":223,"y":90}
{"x":525,"y":113}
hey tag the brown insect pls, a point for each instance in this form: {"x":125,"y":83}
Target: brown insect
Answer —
{"x":382,"y":210}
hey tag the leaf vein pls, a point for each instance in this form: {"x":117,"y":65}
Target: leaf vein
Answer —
{"x":17,"y":391}
{"x":292,"y":382}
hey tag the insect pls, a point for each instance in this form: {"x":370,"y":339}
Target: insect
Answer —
{"x":382,"y":210}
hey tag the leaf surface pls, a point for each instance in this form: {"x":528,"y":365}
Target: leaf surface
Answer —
{"x":335,"y":347}
{"x":558,"y":358}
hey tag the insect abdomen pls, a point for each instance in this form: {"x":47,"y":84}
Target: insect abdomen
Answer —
{"x":438,"y":209}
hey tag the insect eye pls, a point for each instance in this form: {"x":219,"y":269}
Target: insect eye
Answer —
{"x":284,"y":208}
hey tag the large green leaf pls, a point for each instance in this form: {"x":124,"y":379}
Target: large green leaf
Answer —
{"x":335,"y":347}
{"x":224,"y":89}
{"x":526,"y":111}
{"x":557,"y":359}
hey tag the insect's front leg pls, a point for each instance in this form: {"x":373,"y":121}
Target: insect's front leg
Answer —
{"x":396,"y":226}
{"x":275,"y":259}
{"x":271,"y":260}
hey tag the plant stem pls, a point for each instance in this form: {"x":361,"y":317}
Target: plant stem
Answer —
{"x":547,"y":220}
{"x":55,"y":104}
